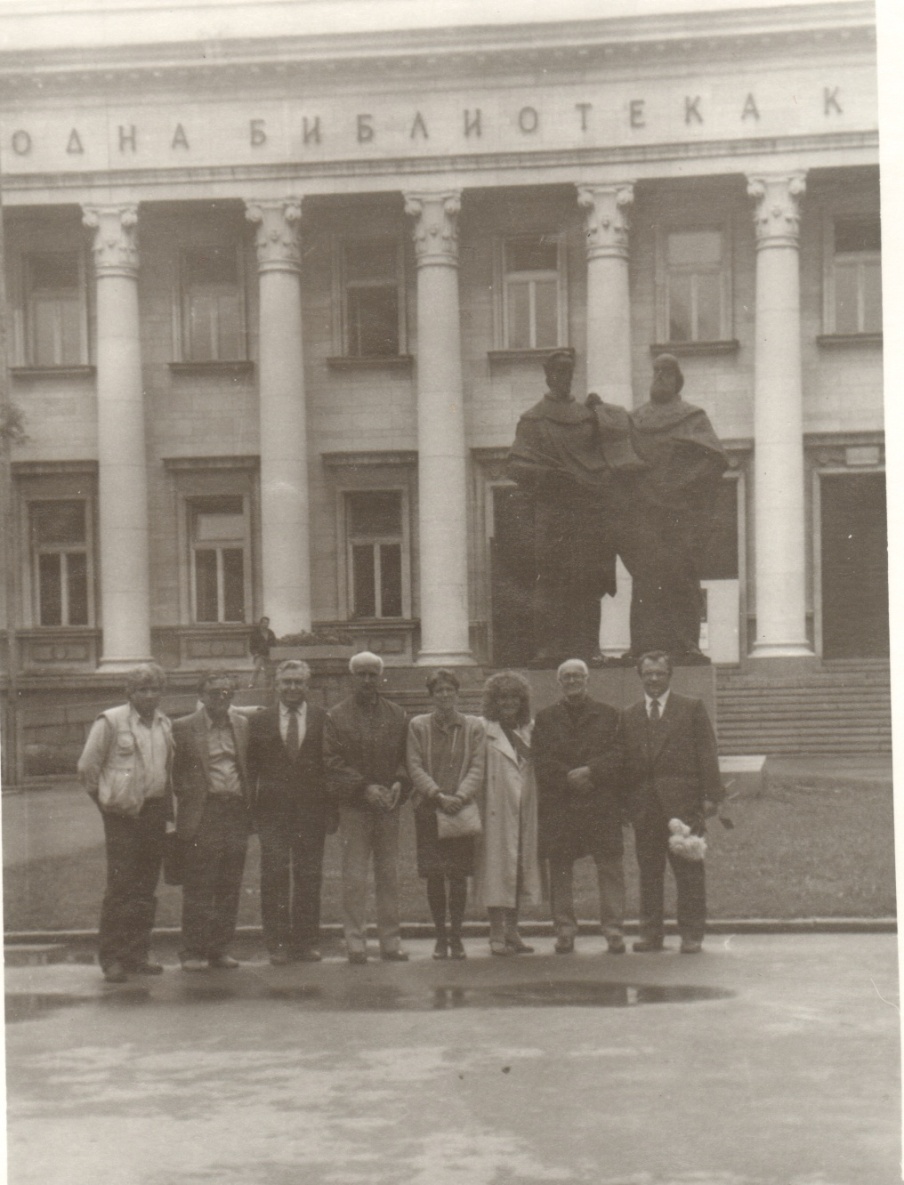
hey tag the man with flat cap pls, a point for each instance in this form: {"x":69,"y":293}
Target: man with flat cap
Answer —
{"x":567,"y":457}
{"x":669,"y":516}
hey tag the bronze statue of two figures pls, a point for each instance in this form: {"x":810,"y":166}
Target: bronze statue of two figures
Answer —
{"x":605,"y":482}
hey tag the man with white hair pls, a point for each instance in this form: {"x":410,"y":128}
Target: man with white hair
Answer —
{"x":364,"y":744}
{"x":580,"y":778}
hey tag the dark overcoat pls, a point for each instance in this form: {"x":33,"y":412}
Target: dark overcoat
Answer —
{"x":576,"y":823}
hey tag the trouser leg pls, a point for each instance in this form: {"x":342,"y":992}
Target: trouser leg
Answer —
{"x":690,"y":884}
{"x":134,"y":856}
{"x":199,"y":878}
{"x":275,"y":870}
{"x":436,"y":899}
{"x":511,"y":925}
{"x":355,"y":840}
{"x":610,"y":875}
{"x":307,"y":877}
{"x":651,"y":842}
{"x":458,"y":896}
{"x":561,"y":896}
{"x":386,"y":879}
{"x":228,"y":883}
{"x":496,"y":916}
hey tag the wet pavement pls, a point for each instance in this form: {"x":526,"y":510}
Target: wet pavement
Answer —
{"x":769,"y":1060}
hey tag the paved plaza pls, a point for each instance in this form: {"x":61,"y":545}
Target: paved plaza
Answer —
{"x":769,"y":1060}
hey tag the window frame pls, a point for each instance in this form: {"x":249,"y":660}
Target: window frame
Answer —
{"x":191,"y":507}
{"x":341,"y":285}
{"x":32,"y":568}
{"x":501,"y":278}
{"x":664,"y":273}
{"x":830,"y":305}
{"x":347,"y":541}
{"x":182,"y":338}
{"x":57,"y":243}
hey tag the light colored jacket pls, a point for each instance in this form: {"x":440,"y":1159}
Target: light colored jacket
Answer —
{"x":420,"y":758}
{"x":508,"y":806}
{"x":111,"y":767}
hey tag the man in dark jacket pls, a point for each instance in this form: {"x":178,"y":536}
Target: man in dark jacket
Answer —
{"x":213,"y":822}
{"x":364,"y":745}
{"x":578,"y":763}
{"x":673,"y":773}
{"x":288,"y":787}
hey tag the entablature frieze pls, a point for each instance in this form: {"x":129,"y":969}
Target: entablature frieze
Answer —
{"x":598,"y":166}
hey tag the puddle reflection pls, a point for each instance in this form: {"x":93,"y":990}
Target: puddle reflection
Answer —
{"x":374,"y":997}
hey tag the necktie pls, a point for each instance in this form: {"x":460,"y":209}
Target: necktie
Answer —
{"x":654,"y":710}
{"x":292,"y":734}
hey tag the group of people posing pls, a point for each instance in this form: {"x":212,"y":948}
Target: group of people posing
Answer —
{"x":502,"y":799}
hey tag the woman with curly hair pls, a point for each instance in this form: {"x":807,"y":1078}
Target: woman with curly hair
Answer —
{"x":508,"y":869}
{"x":445,"y":761}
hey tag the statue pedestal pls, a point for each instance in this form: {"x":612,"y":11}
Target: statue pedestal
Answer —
{"x":621,"y":686}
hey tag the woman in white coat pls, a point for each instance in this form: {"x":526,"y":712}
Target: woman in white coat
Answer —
{"x":507,"y":865}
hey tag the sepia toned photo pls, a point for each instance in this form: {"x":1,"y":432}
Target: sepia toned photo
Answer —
{"x":445,"y":653}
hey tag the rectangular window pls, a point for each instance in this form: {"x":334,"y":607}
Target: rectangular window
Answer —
{"x":375,"y":538}
{"x":695,"y":286}
{"x":372,"y":298}
{"x":857,"y":276}
{"x":55,"y":332}
{"x":213,"y":306}
{"x":59,"y":547}
{"x":532,"y":290}
{"x":218,"y":527}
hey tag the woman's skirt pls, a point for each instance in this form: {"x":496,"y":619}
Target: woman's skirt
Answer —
{"x":440,"y":857}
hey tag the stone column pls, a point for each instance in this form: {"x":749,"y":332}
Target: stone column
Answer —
{"x":285,"y":547}
{"x":608,"y":298}
{"x":609,"y":350}
{"x":442,"y":447}
{"x":122,"y":461}
{"x":779,"y":533}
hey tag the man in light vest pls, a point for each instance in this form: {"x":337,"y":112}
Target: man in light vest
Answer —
{"x":126,"y":767}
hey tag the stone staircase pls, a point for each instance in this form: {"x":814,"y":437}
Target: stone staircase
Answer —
{"x":842,"y":708}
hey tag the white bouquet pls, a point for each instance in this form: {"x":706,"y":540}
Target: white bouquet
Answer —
{"x":684,"y":843}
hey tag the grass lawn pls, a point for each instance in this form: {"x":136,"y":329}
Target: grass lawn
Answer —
{"x":798,"y":853}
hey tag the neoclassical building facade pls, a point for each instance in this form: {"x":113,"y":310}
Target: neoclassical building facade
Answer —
{"x":280,"y":279}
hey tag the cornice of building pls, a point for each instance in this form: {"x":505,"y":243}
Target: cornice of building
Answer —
{"x":552,"y":47}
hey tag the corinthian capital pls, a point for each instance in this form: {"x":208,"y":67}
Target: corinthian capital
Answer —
{"x":277,"y":241}
{"x":607,"y":219}
{"x":115,"y":238}
{"x":776,"y":214}
{"x":435,"y":226}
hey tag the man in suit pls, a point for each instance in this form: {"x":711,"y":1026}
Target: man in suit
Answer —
{"x":213,"y":822}
{"x":578,"y":764}
{"x":285,"y":769}
{"x":672,"y":773}
{"x":364,"y":750}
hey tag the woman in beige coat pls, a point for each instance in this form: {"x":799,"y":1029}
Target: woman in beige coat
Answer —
{"x":508,"y":869}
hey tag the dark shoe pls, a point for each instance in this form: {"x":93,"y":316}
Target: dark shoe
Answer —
{"x":441,"y":949}
{"x":564,"y":945}
{"x":457,"y":949}
{"x":648,"y":946}
{"x":194,"y":965}
{"x":357,"y":958}
{"x":394,"y":956}
{"x":691,"y":946}
{"x":116,"y":973}
{"x":308,"y":954}
{"x":147,"y":969}
{"x":502,"y":949}
{"x":518,"y":946}
{"x":223,"y":962}
{"x":280,"y":958}
{"x":616,"y":946}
